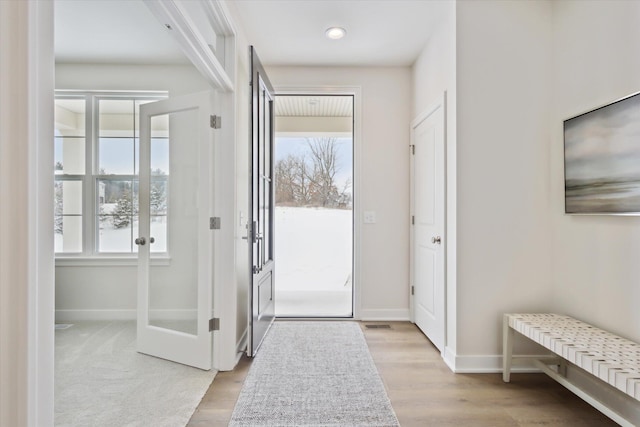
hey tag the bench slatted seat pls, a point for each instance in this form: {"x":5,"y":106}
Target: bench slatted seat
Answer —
{"x":612,"y":359}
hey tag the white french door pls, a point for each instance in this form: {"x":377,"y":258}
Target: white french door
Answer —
{"x":175,"y":293}
{"x":427,"y":234}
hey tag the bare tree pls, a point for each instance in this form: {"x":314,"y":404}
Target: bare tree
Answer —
{"x":310,"y":180}
{"x":286,"y":180}
{"x":324,"y":157}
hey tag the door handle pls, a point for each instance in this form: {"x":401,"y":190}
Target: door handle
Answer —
{"x":141,"y":241}
{"x":436,"y":240}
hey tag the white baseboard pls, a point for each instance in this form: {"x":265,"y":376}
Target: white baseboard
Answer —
{"x":131,"y":314}
{"x":449,"y":358}
{"x":241,"y":345}
{"x":80,"y":315}
{"x":389,"y":315}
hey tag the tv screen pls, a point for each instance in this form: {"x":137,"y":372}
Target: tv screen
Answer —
{"x":602,"y":159}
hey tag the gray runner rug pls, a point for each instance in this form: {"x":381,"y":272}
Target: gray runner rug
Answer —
{"x":313,"y":374}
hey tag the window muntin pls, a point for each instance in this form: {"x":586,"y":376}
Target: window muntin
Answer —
{"x":96,"y":173}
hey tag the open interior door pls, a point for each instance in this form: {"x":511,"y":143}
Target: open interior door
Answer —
{"x":176,"y":195}
{"x":261,"y":206}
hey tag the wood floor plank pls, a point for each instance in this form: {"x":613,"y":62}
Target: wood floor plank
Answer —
{"x":424,"y":392}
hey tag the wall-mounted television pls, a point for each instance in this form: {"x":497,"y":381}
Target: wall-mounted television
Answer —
{"x":602,"y":159}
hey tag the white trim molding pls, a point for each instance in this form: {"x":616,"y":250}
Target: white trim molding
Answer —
{"x":26,"y":214}
{"x":68,"y":316}
{"x":385,"y":314}
{"x":356,"y":92}
{"x":175,"y":16}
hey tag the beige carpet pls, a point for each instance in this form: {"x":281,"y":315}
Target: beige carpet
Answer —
{"x":100,"y":380}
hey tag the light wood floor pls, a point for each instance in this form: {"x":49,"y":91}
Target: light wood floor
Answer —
{"x":424,"y":392}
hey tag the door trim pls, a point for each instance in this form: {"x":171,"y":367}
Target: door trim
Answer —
{"x":356,"y":92}
{"x":440,"y":103}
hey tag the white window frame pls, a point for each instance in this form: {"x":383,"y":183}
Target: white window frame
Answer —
{"x":90,"y":227}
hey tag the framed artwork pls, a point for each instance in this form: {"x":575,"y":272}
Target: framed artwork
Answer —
{"x":602,"y":159}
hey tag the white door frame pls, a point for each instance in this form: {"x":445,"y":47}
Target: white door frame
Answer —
{"x":440,"y":103}
{"x":222,"y":79}
{"x":356,"y":92}
{"x":27,"y":262}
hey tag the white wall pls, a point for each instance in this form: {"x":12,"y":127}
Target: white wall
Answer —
{"x":596,"y":273}
{"x":177,"y":79}
{"x":503,"y":205}
{"x":26,"y":214}
{"x":110,"y":291}
{"x":433,"y":73}
{"x":384,"y":177}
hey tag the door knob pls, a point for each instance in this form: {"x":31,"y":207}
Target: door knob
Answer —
{"x":140,"y":241}
{"x":152,"y":239}
{"x":436,"y":240}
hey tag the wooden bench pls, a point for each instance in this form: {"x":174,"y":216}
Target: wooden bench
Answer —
{"x":612,"y":359}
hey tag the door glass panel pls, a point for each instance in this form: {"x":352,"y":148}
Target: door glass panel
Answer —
{"x":159,"y":191}
{"x":173,"y":288}
{"x":267,"y":178}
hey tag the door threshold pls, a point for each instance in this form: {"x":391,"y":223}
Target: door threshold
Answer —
{"x":312,"y":318}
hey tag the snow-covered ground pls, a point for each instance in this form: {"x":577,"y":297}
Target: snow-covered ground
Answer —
{"x":119,"y":240}
{"x":313,"y":251}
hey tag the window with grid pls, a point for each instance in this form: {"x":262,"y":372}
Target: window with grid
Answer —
{"x":97,"y":171}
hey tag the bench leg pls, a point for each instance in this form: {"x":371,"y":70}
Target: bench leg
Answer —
{"x":507,"y":349}
{"x":562,"y":368}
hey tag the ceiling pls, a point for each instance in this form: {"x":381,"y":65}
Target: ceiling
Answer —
{"x":112,"y":31}
{"x":285,"y":32}
{"x":379,"y":32}
{"x":314,"y":106}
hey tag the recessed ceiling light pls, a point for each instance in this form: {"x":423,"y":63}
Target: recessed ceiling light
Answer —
{"x":335,"y":33}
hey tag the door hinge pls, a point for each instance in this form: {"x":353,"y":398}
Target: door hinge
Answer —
{"x":215,"y":122}
{"x":214,"y":223}
{"x":413,"y":220}
{"x":413,"y":149}
{"x":214,"y":324}
{"x":413,"y":290}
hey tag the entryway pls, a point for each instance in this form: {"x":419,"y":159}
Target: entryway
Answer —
{"x":314,"y":205}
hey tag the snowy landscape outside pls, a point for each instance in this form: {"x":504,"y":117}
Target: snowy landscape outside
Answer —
{"x":313,"y":227}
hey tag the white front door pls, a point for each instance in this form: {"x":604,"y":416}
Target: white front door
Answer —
{"x":176,"y":197}
{"x":427,"y":236}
